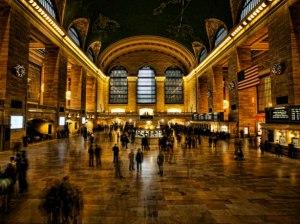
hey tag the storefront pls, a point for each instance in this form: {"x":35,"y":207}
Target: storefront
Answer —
{"x":214,"y":122}
{"x":282,"y":126}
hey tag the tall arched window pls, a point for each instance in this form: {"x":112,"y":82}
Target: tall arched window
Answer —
{"x":174,"y":86}
{"x":202,"y":55}
{"x":50,"y":8}
{"x":146,"y":87}
{"x":248,"y":6}
{"x":74,"y":35}
{"x":221,"y":34}
{"x":118,"y":86}
{"x":90,"y":54}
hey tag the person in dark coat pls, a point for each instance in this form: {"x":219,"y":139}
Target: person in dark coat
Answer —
{"x":98,"y":151}
{"x":139,"y":160}
{"x":85,"y":133}
{"x":91,"y":155}
{"x":160,"y":163}
{"x":115,"y":150}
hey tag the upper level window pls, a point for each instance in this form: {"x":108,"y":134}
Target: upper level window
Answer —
{"x":118,"y":86}
{"x":146,"y":86}
{"x":48,"y":5}
{"x":248,"y":6}
{"x":202,"y":55}
{"x":74,"y":35}
{"x":90,"y":54}
{"x":174,"y":86}
{"x":221,"y":34}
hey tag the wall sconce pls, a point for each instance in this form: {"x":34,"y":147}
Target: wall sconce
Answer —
{"x":225,"y":104}
{"x":68,"y":95}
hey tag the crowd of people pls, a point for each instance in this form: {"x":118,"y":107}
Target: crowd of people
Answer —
{"x":14,"y":171}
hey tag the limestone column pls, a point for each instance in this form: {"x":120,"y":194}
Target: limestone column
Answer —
{"x":160,"y":94}
{"x":75,"y":77}
{"x":55,"y":83}
{"x":83,"y":92}
{"x":247,"y":97}
{"x":218,"y":87}
{"x":283,"y":48}
{"x":203,"y":97}
{"x":132,"y":91}
{"x":91,"y":94}
{"x":231,"y":80}
{"x":14,"y":51}
{"x":190,"y":96}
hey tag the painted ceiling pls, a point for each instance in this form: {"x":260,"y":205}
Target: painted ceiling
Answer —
{"x":109,"y":21}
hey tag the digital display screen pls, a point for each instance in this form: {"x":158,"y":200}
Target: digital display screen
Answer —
{"x":16,"y":122}
{"x":62,"y":121}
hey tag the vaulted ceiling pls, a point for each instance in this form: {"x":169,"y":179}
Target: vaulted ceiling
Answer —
{"x":108,"y":21}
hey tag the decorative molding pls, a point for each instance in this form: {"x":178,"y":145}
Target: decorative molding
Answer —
{"x":19,"y":71}
{"x":278,"y":69}
{"x":152,"y":43}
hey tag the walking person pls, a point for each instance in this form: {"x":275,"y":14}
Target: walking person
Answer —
{"x":160,"y":163}
{"x":91,"y":155}
{"x":20,"y":176}
{"x":98,"y":152}
{"x":139,"y":160}
{"x":131,"y":160}
{"x":115,"y":150}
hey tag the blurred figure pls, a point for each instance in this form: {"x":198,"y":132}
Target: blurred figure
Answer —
{"x":131,"y":160}
{"x":139,"y":160}
{"x":98,"y":151}
{"x":115,"y":150}
{"x":160,"y":163}
{"x":118,"y":167}
{"x":91,"y":155}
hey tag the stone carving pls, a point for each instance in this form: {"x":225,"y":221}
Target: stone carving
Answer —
{"x":212,"y":25}
{"x":19,"y":71}
{"x":82,"y":26}
{"x":96,"y":47}
{"x":197,"y":47}
{"x":278,"y":69}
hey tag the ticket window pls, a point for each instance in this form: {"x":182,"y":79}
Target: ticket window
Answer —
{"x":293,"y":137}
{"x":281,"y":137}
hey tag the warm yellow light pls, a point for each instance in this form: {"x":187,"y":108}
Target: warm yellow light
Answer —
{"x":174,"y":110}
{"x":117,"y":110}
{"x":68,"y":95}
{"x":225,"y":104}
{"x":146,"y":111}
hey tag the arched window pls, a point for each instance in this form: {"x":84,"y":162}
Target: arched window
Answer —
{"x":248,"y":6}
{"x":50,"y":8}
{"x":90,"y":54}
{"x":118,"y":86}
{"x":146,"y":87}
{"x":174,"y":86}
{"x":74,"y":35}
{"x":221,"y":34}
{"x":202,"y":55}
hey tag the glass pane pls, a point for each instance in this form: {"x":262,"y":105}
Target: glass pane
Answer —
{"x":174,"y":86}
{"x":118,"y":86}
{"x":146,"y":86}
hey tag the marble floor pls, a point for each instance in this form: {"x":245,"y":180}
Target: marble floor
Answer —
{"x":202,"y":185}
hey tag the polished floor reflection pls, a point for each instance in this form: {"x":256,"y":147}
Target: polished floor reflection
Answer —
{"x":201,"y":185}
